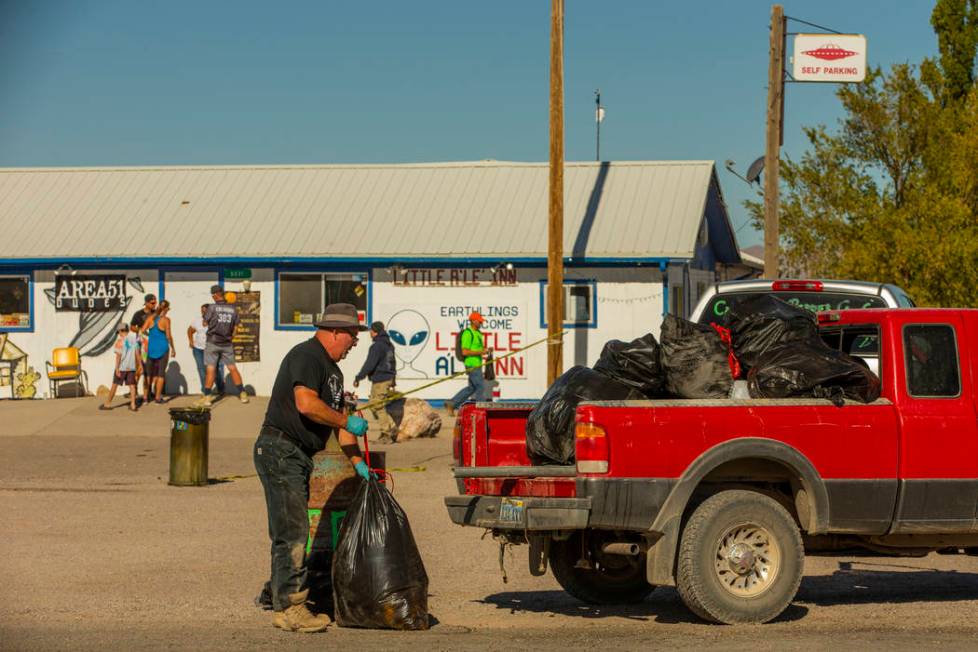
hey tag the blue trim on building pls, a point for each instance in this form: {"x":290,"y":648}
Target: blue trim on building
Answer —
{"x":309,"y":327}
{"x":30,"y":301}
{"x":325,"y":261}
{"x":572,"y":281}
{"x":663,"y":269}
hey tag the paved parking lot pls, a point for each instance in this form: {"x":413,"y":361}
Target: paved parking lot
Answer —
{"x":100,"y":553}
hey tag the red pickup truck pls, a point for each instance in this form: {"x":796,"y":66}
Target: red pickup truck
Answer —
{"x":723,"y":498}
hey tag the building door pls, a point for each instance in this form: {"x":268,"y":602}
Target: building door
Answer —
{"x":186,"y":291}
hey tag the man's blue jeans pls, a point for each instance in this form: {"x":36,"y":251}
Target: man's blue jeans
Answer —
{"x":475,"y":390}
{"x":202,"y":371}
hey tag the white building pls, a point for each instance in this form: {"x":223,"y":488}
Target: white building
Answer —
{"x":415,"y":246}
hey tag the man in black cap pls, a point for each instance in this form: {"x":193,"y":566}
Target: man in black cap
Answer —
{"x":380,"y":367}
{"x":221,"y":319}
{"x":304,"y":410}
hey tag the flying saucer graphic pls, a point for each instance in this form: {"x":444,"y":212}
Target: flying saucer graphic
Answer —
{"x":830,"y":52}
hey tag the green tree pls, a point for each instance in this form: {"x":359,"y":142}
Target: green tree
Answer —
{"x":892,"y":194}
{"x":954,"y":23}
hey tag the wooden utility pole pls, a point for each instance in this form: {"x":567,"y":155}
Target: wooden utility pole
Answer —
{"x":772,"y":152}
{"x":555,"y":251}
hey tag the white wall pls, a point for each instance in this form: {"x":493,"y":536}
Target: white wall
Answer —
{"x":628,"y":303}
{"x":86,"y":330}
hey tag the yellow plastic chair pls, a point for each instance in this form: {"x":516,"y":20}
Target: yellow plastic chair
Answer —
{"x":66,"y":365}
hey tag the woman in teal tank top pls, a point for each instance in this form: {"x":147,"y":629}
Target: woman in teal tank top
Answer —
{"x":159,"y":350}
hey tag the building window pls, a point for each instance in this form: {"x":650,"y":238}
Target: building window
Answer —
{"x":15,"y":302}
{"x":931,"y":356}
{"x":579,"y":304}
{"x":303,"y":295}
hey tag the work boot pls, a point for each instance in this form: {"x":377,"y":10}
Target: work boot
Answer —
{"x":243,"y":397}
{"x":450,"y":408}
{"x":204,"y":401}
{"x":298,"y":618}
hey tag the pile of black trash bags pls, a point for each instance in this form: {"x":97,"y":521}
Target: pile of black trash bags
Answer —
{"x":773,"y":345}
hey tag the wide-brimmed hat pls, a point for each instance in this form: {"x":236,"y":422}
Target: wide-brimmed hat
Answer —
{"x":341,"y":315}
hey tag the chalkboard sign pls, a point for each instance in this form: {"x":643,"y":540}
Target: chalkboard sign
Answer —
{"x":89,"y":292}
{"x":246,"y":336}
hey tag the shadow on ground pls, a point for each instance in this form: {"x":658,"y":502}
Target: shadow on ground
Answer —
{"x":663,"y":606}
{"x":886,"y":582}
{"x":853,"y":583}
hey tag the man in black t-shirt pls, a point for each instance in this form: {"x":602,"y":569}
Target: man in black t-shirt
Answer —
{"x":305,"y":409}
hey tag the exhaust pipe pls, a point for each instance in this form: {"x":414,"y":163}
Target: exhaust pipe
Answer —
{"x":627,"y":549}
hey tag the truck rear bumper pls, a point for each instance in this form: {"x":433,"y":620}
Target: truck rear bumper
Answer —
{"x":519,"y":513}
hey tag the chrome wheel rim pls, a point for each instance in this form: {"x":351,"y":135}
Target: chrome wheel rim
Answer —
{"x":748,"y":560}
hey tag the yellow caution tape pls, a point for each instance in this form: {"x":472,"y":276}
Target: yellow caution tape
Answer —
{"x":396,"y":396}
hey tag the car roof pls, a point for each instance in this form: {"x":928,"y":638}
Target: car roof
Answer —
{"x":828,"y":285}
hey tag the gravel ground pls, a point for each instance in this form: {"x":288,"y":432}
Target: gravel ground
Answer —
{"x":100,"y":553}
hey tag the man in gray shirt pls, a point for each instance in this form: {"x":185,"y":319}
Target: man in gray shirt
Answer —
{"x":221,"y":319}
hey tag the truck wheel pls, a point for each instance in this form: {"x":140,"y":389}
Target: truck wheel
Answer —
{"x":740,"y":559}
{"x":612,"y":579}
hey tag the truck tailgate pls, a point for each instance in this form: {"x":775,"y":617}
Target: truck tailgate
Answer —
{"x":491,"y":459}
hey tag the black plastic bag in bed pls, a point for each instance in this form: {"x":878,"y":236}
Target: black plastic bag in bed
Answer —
{"x":550,"y":426}
{"x":694,"y":360}
{"x":379,"y":580}
{"x":634,"y":363}
{"x":813,"y":370}
{"x":762,"y":322}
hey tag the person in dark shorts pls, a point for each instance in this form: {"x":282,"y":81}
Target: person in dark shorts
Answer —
{"x":136,"y":325}
{"x":126,"y":354}
{"x":159,"y":350}
{"x":221,"y":318}
{"x":304,"y":411}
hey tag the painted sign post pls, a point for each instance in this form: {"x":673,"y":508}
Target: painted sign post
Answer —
{"x":246,"y":339}
{"x":836,"y":58}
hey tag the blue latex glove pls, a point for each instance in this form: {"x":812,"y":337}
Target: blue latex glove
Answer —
{"x":364,"y":471}
{"x":356,"y":425}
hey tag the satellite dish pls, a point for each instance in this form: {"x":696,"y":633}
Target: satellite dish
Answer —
{"x":755,"y":169}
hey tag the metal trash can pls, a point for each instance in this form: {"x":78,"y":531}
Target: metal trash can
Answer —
{"x":188,"y":446}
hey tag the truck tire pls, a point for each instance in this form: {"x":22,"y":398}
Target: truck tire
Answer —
{"x":614,"y":579}
{"x":740,"y":559}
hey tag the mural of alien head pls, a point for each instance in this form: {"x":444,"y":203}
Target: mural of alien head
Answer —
{"x":409,"y":331}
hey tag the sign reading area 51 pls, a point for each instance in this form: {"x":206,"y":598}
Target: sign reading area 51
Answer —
{"x":829,"y":58}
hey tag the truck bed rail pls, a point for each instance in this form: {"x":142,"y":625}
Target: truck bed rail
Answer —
{"x":515,"y":471}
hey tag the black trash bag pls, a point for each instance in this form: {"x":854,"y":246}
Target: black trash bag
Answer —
{"x":379,"y":579}
{"x":764,"y":321}
{"x":550,"y":426}
{"x":694,"y":360}
{"x":634,"y":363}
{"x":813,"y":370}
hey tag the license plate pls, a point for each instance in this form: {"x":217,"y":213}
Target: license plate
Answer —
{"x":511,"y":510}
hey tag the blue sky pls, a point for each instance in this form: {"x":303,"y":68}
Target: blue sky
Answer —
{"x":167,"y":83}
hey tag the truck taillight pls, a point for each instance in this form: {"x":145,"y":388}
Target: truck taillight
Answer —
{"x":457,"y":441}
{"x":797,"y":286}
{"x":592,"y":448}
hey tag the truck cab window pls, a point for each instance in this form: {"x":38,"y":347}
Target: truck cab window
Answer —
{"x":931,"y":361}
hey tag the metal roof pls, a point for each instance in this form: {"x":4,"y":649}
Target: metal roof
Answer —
{"x":617,"y":210}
